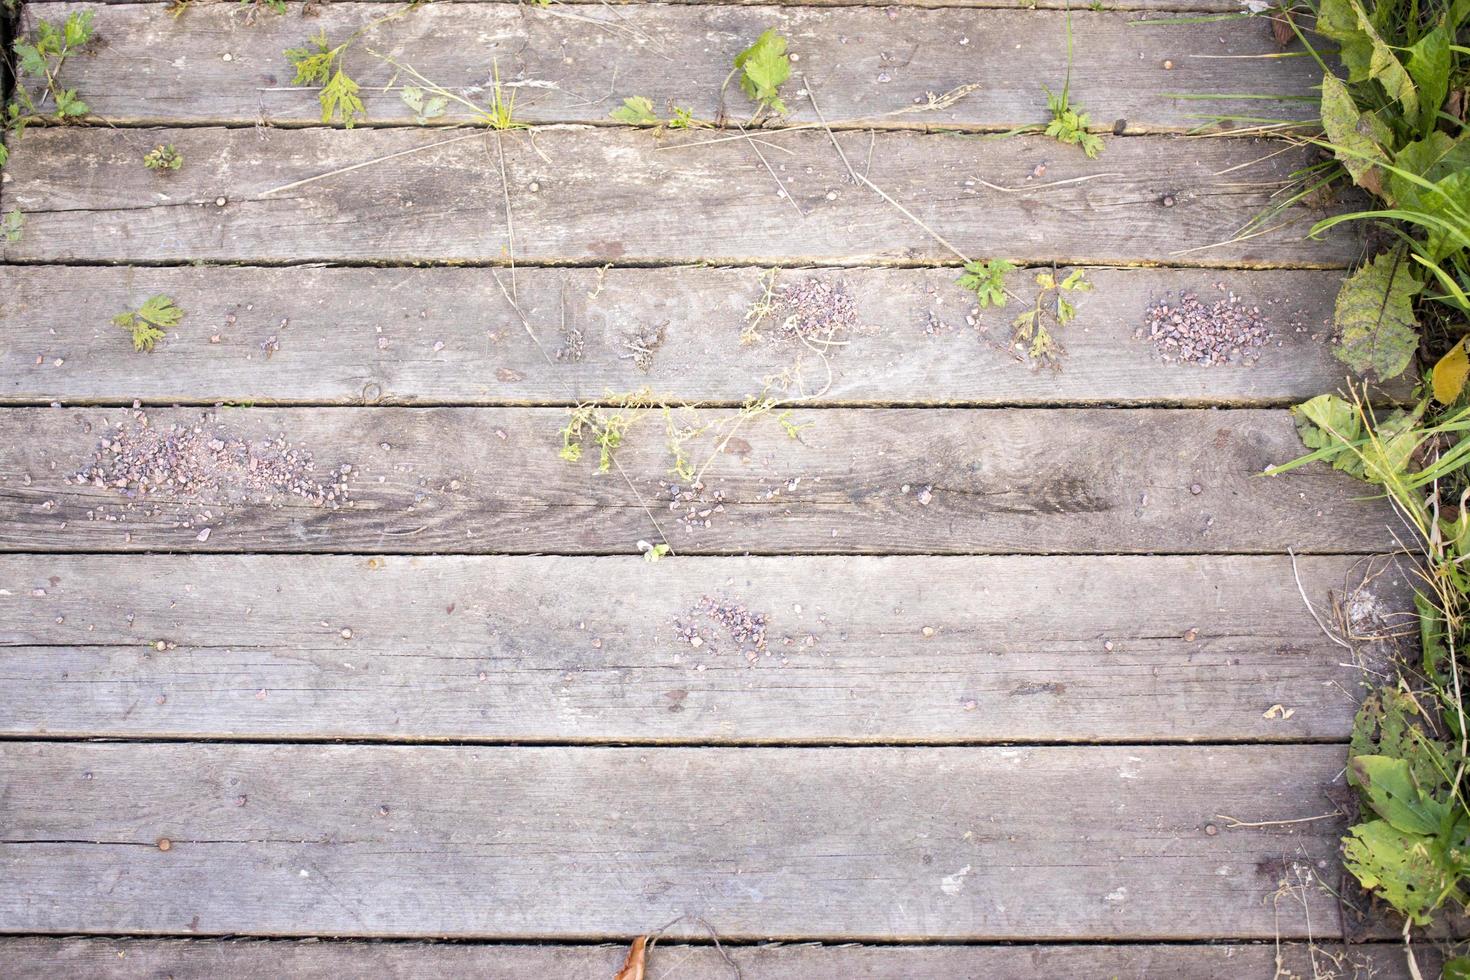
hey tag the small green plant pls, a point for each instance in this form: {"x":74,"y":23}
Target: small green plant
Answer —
{"x":1052,"y":308}
{"x":274,"y":6}
{"x":424,"y":107}
{"x":654,"y":552}
{"x":764,"y":67}
{"x":636,"y":111}
{"x":1408,"y":753}
{"x":163,"y":158}
{"x":12,"y":225}
{"x":987,"y":280}
{"x":319,"y":63}
{"x":150,"y":322}
{"x":39,"y":95}
{"x":1069,"y":124}
{"x":1394,"y":124}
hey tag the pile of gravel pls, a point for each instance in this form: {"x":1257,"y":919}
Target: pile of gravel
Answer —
{"x":816,"y":310}
{"x":204,"y":460}
{"x":1187,"y":330}
{"x":735,"y":621}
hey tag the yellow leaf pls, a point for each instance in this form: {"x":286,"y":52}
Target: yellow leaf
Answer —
{"x":1451,"y":373}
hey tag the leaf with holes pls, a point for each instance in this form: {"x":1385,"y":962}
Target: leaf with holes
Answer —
{"x":1375,"y":316}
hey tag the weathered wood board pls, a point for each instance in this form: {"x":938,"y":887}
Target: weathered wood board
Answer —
{"x":598,"y":195}
{"x":1148,"y":8}
{"x":225,"y":64}
{"x":588,"y":843}
{"x":444,"y":336}
{"x":200,"y":959}
{"x":490,"y":480}
{"x":580,"y":649}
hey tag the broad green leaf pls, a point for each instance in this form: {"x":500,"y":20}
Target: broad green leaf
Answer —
{"x":1433,"y":158}
{"x":636,"y":111}
{"x":1375,"y":316}
{"x":1393,"y":794}
{"x":1385,"y":67}
{"x":1338,"y":19}
{"x":1328,"y":423}
{"x":1456,"y":969}
{"x":1429,"y":66}
{"x":1361,"y":134}
{"x":765,"y":68}
{"x":1409,"y":871}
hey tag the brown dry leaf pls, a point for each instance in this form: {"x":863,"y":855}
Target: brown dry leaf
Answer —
{"x":635,"y":964}
{"x":1281,"y":29}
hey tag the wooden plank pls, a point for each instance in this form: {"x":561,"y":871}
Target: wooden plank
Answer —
{"x":906,"y":481}
{"x":450,"y":336}
{"x":863,"y":63}
{"x":536,"y":649}
{"x":574,"y":843}
{"x":1148,"y":7}
{"x":200,"y":959}
{"x":600,"y":195}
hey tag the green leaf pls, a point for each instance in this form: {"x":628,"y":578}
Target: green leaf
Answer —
{"x":1394,"y":795}
{"x":1330,"y":424}
{"x":423,"y":109}
{"x":149,"y":322}
{"x":13,"y":223}
{"x":765,"y":68}
{"x":1362,"y":134}
{"x":1409,"y":871}
{"x":1338,"y":19}
{"x":1429,"y":66}
{"x":1375,"y":316}
{"x":312,"y":61}
{"x":78,"y":29}
{"x":30,"y":59}
{"x":635,"y":111}
{"x":339,"y":99}
{"x":1456,"y":969}
{"x":987,"y":281}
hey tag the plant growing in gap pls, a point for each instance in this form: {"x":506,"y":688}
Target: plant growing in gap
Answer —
{"x":1068,"y":123}
{"x":150,"y":322}
{"x":39,"y":94}
{"x":637,"y":110}
{"x":12,"y":225}
{"x":987,"y":280}
{"x":163,"y":158}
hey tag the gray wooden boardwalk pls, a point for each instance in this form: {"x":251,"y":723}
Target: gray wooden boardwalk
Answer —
{"x":317,"y":660}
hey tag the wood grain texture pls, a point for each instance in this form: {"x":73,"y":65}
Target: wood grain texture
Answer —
{"x":856,"y":480}
{"x":862,"y":63}
{"x":587,"y":843}
{"x":1161,"y":7}
{"x":581,"y":649}
{"x":600,"y":195}
{"x":445,"y":336}
{"x":200,"y":959}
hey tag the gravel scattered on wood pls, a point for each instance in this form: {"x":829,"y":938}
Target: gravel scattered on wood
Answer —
{"x":1189,"y":330}
{"x":696,"y":506}
{"x":734,"y":623}
{"x":205,"y":460}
